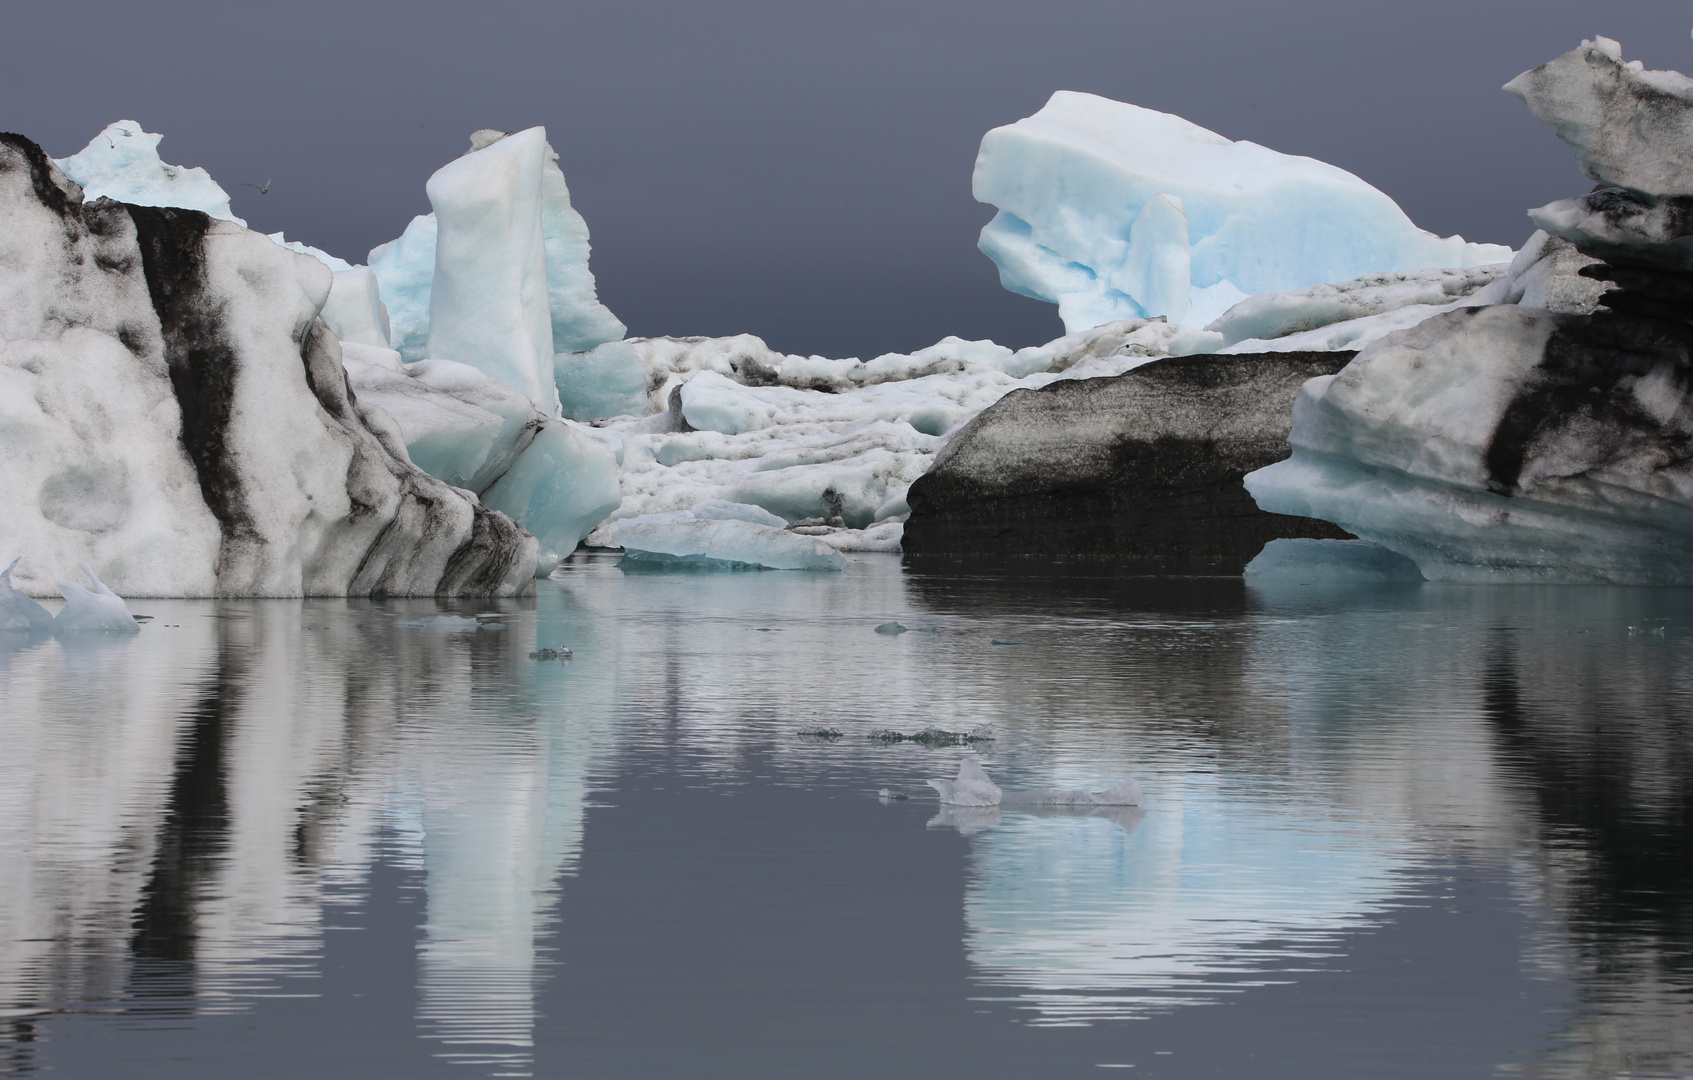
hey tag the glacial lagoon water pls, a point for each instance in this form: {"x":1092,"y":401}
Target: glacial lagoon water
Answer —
{"x":1413,"y":831}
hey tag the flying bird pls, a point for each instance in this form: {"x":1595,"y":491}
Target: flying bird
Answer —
{"x":264,"y":188}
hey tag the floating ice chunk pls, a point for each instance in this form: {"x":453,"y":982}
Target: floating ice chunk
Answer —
{"x":405,"y":269}
{"x":893,"y":628}
{"x":123,"y":163}
{"x":1324,"y":562}
{"x":609,"y":380}
{"x":98,"y":608}
{"x":1276,"y":315}
{"x":934,"y":736}
{"x":1123,"y":793}
{"x":722,"y":545}
{"x":1074,"y":181}
{"x":488,"y":300}
{"x":18,"y":611}
{"x":560,"y":487}
{"x":354,"y":309}
{"x":971,"y":787}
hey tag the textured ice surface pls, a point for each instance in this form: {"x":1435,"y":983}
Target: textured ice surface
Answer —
{"x":1106,"y":208}
{"x":476,"y":432}
{"x":1324,"y":562}
{"x":1277,"y":315}
{"x":971,"y":787}
{"x":123,"y":163}
{"x":98,"y":608}
{"x":722,"y":544}
{"x":1628,"y":127}
{"x":17,"y":610}
{"x":833,"y":442}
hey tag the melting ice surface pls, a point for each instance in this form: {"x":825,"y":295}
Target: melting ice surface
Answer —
{"x":284,"y":838}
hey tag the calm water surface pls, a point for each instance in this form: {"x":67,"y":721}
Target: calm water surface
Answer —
{"x":1415,"y":832}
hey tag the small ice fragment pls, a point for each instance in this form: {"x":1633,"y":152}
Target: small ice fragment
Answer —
{"x":996,"y":641}
{"x":971,"y":787}
{"x":17,"y":611}
{"x":445,"y":624}
{"x":891,"y":628}
{"x":98,"y":608}
{"x":561,"y":654}
{"x":491,"y":626}
{"x":891,"y":796}
{"x":820,"y":732}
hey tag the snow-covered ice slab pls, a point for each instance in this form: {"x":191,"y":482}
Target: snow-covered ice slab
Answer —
{"x":1113,"y":211}
{"x":722,"y":544}
{"x":1330,"y":562}
{"x":1279,"y":314}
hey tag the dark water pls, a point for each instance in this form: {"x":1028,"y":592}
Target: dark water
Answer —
{"x":1417,"y":832}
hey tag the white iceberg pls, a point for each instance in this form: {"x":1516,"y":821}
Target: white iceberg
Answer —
{"x":1108,"y":209}
{"x":98,"y":608}
{"x":971,"y":787}
{"x":17,"y":610}
{"x":722,"y":544}
{"x":122,"y":163}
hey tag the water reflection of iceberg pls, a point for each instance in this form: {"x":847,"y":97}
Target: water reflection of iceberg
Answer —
{"x":1080,"y":919}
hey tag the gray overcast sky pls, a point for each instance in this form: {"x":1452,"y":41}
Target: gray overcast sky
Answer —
{"x":800,"y":171}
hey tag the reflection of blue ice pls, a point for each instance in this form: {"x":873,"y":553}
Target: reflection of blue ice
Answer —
{"x":1085,"y":919}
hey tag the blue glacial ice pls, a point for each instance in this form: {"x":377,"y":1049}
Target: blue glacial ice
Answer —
{"x":123,"y":163}
{"x":18,"y":611}
{"x":551,"y":228}
{"x":721,"y":543}
{"x":1112,"y":211}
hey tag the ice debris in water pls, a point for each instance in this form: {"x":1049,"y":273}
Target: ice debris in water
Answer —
{"x":934,"y":736}
{"x":561,"y":653}
{"x":98,"y":608}
{"x":892,"y":628}
{"x":821,"y":732}
{"x":18,"y":611}
{"x":1330,"y":562}
{"x":892,"y":796}
{"x":971,"y":787}
{"x":721,"y":545}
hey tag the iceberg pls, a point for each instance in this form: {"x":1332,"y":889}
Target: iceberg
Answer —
{"x":477,"y":433}
{"x":1112,"y":211}
{"x":524,"y":190}
{"x":18,"y":611}
{"x":1514,"y":443}
{"x":971,"y":787}
{"x":722,"y":544}
{"x":98,"y":608}
{"x":123,"y":163}
{"x":199,"y":439}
